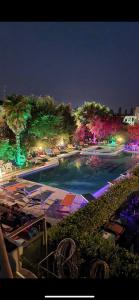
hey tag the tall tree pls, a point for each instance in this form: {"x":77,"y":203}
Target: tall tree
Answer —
{"x":119,"y":111}
{"x":41,"y":106}
{"x":131,"y":111}
{"x":68,"y":119}
{"x":89,"y":110}
{"x":17,"y":112}
{"x":126,"y":113}
{"x":46,"y":126}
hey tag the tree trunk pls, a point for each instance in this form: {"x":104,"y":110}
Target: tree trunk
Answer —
{"x":18,"y":149}
{"x":94,"y":138}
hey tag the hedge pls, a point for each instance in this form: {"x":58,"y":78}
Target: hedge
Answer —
{"x":83,"y":227}
{"x":88,"y":219}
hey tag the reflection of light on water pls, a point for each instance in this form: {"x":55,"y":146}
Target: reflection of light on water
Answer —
{"x":78,"y":164}
{"x":61,"y":159}
{"x":94,"y":161}
{"x":136,"y":156}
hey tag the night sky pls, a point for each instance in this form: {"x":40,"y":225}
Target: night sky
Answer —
{"x":72,"y":61}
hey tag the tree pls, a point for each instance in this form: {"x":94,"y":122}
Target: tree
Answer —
{"x":88,"y":110}
{"x":68,"y":118}
{"x":7,"y":151}
{"x":126,"y":112}
{"x":119,"y":111}
{"x":17,"y":112}
{"x":41,"y":106}
{"x":46,"y":126}
{"x":96,"y":128}
{"x":111,"y":112}
{"x":133,"y":132}
{"x":79,"y":135}
{"x":131,"y":111}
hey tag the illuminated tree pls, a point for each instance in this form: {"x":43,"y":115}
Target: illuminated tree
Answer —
{"x":96,"y":128}
{"x":86,"y":113}
{"x":68,"y":119}
{"x":80,"y":134}
{"x":46,"y":126}
{"x":41,"y":106}
{"x":17,"y":112}
{"x":133,"y":132}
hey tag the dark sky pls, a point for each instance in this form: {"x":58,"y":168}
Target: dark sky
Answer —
{"x":72,"y":61}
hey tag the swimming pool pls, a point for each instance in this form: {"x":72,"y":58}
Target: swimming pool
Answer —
{"x":84,"y":174}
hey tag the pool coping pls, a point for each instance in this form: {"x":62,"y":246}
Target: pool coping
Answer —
{"x":94,"y":152}
{"x":131,"y":151}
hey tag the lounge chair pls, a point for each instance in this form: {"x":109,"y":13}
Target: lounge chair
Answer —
{"x":27,"y":190}
{"x":42,"y":196}
{"x":15,"y":187}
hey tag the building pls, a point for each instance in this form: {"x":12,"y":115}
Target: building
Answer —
{"x":131,"y":120}
{"x":137,"y":114}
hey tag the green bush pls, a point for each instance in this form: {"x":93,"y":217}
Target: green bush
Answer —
{"x":83,"y":227}
{"x":7,"y":151}
{"x":95,"y":214}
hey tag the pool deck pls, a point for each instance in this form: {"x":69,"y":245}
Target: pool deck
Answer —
{"x":8,"y":197}
{"x":103,"y":152}
{"x":131,"y":151}
{"x":51,"y":163}
{"x":74,"y":152}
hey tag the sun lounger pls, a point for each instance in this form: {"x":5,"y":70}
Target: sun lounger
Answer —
{"x":14,"y":187}
{"x":10,"y":183}
{"x":42,"y":196}
{"x":68,"y":199}
{"x":63,"y":211}
{"x":29,"y":189}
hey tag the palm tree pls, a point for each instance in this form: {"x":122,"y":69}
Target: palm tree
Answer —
{"x":17,"y":112}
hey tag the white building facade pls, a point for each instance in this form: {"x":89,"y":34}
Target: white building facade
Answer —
{"x":131,"y":120}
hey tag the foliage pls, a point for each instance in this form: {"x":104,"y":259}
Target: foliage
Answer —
{"x":88,"y":110}
{"x":41,"y":106}
{"x":46,"y":126}
{"x":83,"y":227}
{"x":7,"y":151}
{"x":68,"y":118}
{"x":133,"y":132}
{"x":99,"y":121}
{"x":17,"y":112}
{"x":80,"y":133}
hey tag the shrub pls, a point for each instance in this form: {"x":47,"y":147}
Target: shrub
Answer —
{"x":7,"y":151}
{"x":83,"y":227}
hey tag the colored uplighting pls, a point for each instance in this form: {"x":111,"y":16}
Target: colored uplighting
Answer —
{"x":119,"y":139}
{"x":78,"y":164}
{"x":61,"y":142}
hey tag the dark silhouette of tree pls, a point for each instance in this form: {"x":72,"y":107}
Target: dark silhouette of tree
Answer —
{"x":131,"y":111}
{"x":119,"y":111}
{"x":126,"y":113}
{"x":112,"y":112}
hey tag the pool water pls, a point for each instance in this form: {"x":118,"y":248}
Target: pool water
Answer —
{"x":84,"y":174}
